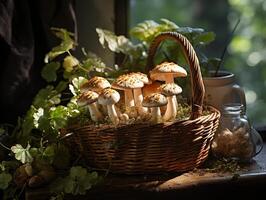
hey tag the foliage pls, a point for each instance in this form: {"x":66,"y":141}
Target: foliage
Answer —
{"x":36,"y":142}
{"x":78,"y":181}
{"x":22,"y":154}
{"x":144,"y":33}
{"x":246,"y":53}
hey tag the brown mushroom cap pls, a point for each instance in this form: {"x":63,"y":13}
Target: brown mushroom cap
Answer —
{"x":167,"y":68}
{"x":143,"y":77}
{"x":86,"y":98}
{"x":108,"y":96}
{"x":170,"y":89}
{"x":154,"y":100}
{"x":96,"y":84}
{"x":127,"y":82}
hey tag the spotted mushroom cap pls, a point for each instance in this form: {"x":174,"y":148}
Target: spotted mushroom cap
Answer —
{"x":170,"y":89}
{"x":86,"y":98}
{"x":96,"y":84}
{"x":127,"y":82}
{"x":154,"y":100}
{"x":143,"y":77}
{"x":167,"y":68}
{"x":108,"y":96}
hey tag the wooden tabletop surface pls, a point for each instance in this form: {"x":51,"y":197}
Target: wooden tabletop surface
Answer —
{"x":251,"y":177}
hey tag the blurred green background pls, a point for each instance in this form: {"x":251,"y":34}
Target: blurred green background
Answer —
{"x":246,"y":54}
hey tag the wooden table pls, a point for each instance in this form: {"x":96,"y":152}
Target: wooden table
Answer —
{"x":251,"y":179}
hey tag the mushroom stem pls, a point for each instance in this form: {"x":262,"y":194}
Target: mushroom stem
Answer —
{"x":156,"y":114}
{"x":96,"y":115}
{"x":171,"y":109}
{"x":169,"y":79}
{"x":112,"y":114}
{"x":138,"y":97}
{"x":129,"y":100}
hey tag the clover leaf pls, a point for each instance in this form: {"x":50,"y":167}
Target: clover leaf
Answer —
{"x":49,"y":71}
{"x":22,"y":154}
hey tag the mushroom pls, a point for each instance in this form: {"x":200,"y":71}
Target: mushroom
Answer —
{"x":170,"y":90}
{"x":167,"y":71}
{"x":152,"y":88}
{"x":127,"y":83}
{"x":109,"y":97}
{"x":155,"y":101}
{"x":95,"y":84}
{"x":138,"y":97}
{"x":90,"y":98}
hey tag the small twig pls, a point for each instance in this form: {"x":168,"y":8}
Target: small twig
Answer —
{"x":4,"y":146}
{"x":227,"y":44}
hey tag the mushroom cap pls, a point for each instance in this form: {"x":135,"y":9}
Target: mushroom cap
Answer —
{"x":108,"y":96}
{"x":96,"y":84}
{"x":170,"y":89}
{"x":126,"y":81}
{"x":154,"y":100}
{"x":143,"y":77}
{"x":86,"y":98}
{"x":169,"y":68}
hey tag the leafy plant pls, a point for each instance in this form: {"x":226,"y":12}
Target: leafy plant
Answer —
{"x":36,"y":142}
{"x":135,"y":51}
{"x":78,"y":181}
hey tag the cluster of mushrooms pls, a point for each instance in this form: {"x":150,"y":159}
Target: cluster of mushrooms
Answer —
{"x":143,"y":98}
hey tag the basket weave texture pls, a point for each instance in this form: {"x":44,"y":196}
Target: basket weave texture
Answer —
{"x":153,"y":148}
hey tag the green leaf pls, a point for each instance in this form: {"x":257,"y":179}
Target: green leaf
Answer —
{"x":22,"y":154}
{"x":70,"y":62}
{"x":147,"y":30}
{"x":36,"y":117}
{"x":118,"y":44}
{"x":78,"y":172}
{"x":5,"y":179}
{"x":66,"y":44}
{"x":171,"y":25}
{"x":77,"y":182}
{"x":59,"y":116}
{"x":204,"y":38}
{"x":62,"y":85}
{"x":76,"y":83}
{"x":47,"y":97}
{"x":49,"y":71}
{"x":49,"y":153}
{"x":93,"y":62}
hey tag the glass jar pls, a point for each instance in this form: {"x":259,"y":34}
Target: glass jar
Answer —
{"x":235,"y":138}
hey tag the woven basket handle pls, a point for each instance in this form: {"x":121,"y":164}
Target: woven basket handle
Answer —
{"x":197,"y":86}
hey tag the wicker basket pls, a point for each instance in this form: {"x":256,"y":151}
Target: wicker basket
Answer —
{"x":145,"y":148}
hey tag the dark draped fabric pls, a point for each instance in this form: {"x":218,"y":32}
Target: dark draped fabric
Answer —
{"x":25,"y":38}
